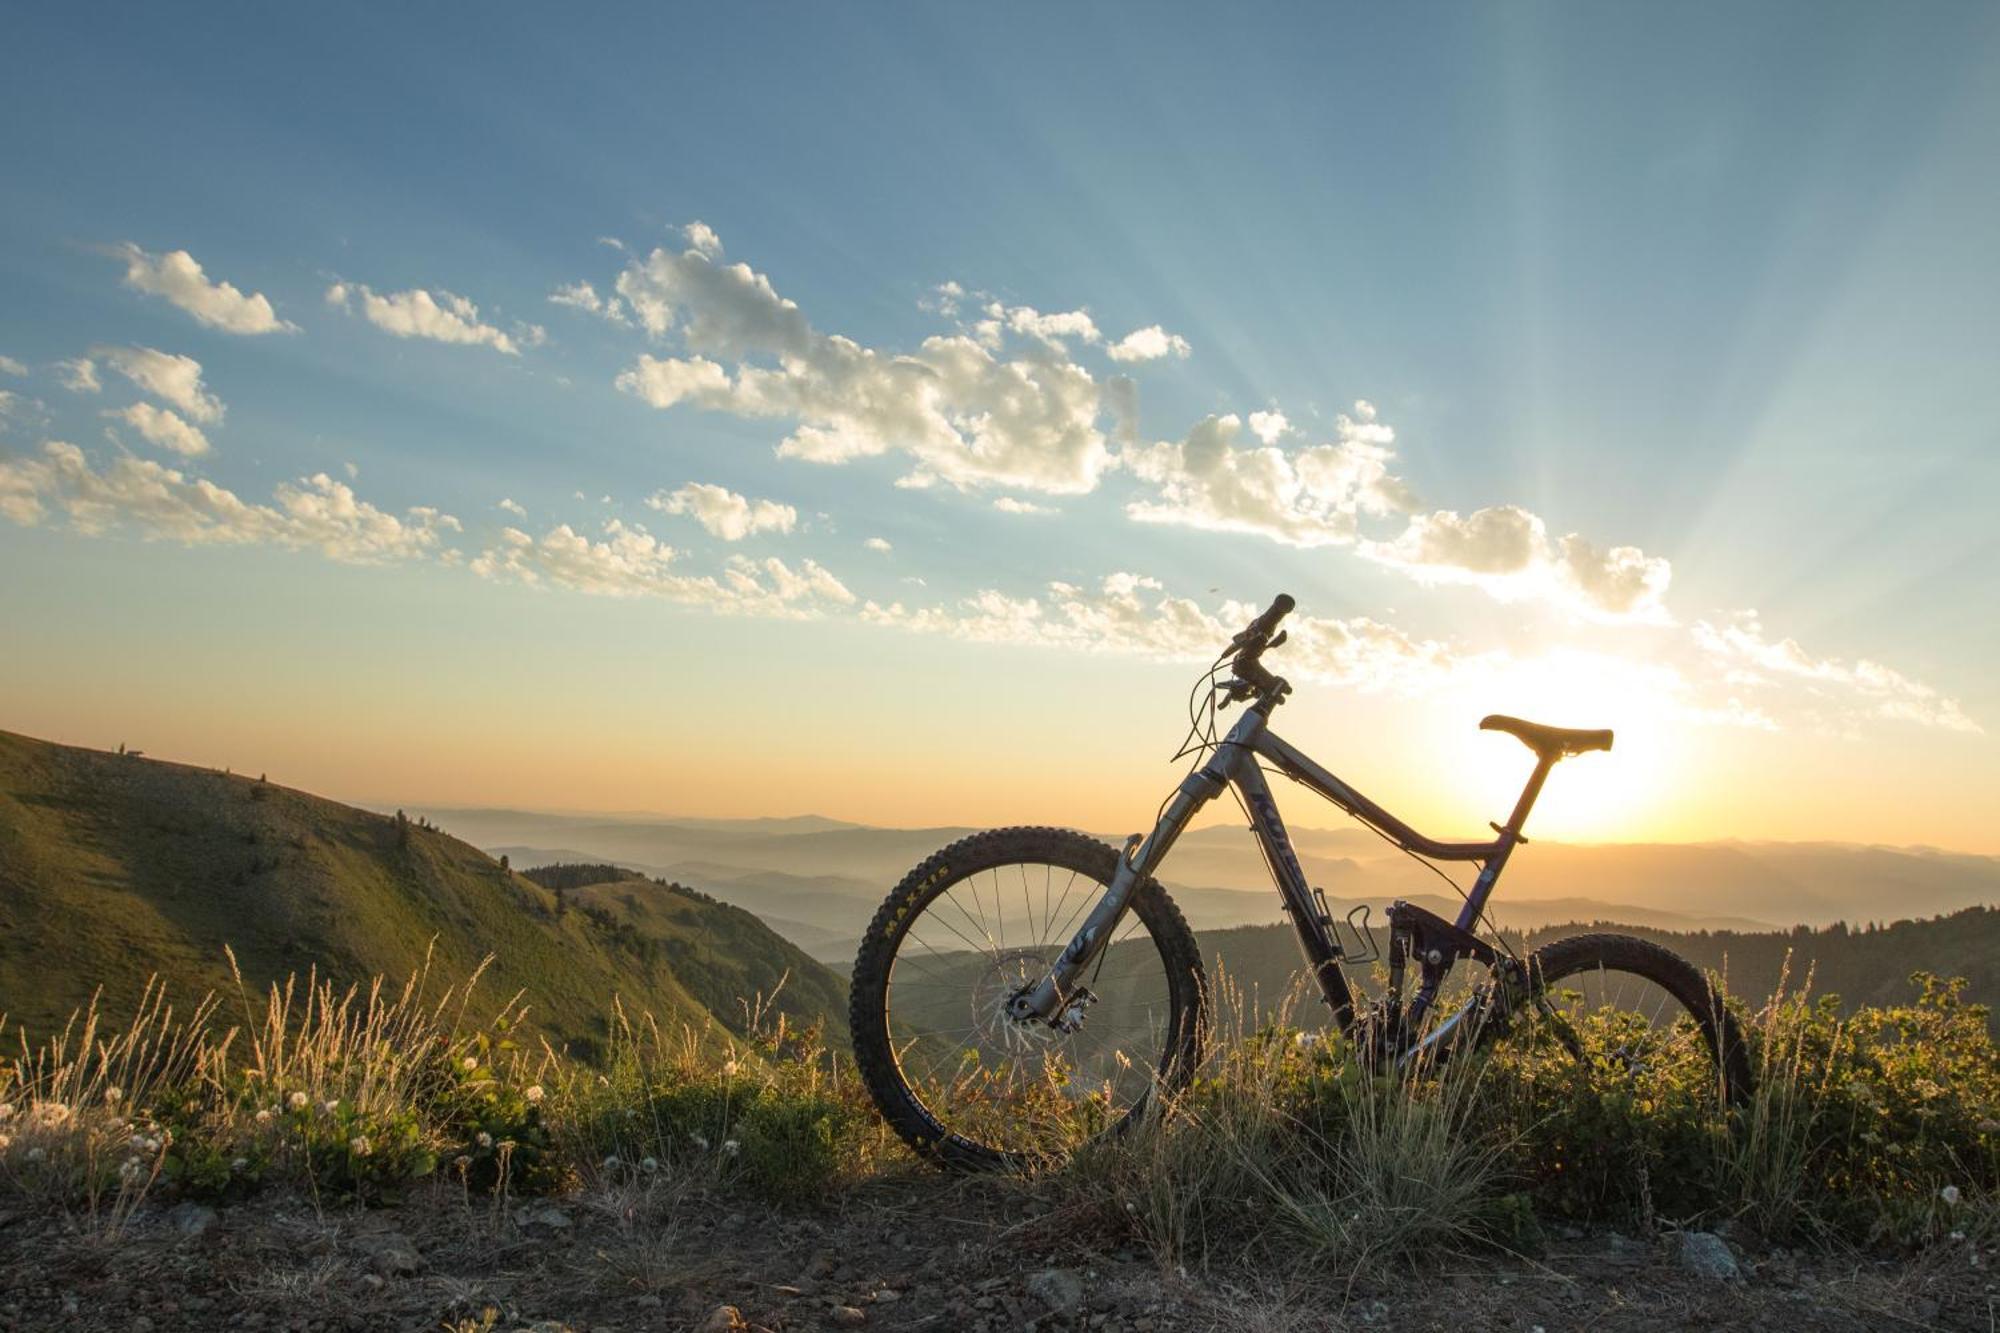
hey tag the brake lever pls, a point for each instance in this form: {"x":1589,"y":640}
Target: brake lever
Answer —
{"x":1283,"y":634}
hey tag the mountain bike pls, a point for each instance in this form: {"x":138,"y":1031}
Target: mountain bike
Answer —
{"x":1027,"y":988}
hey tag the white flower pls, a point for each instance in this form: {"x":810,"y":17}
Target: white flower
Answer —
{"x":138,"y":1143}
{"x":331,"y":1105}
{"x":1950,"y":1195}
{"x":51,"y":1114}
{"x":297,"y":1101}
{"x":469,"y":1063}
{"x":533,"y":1094}
{"x":611,"y":1163}
{"x":359,"y":1145}
{"x":128,"y":1170}
{"x":113,"y":1095}
{"x":698,"y":1141}
{"x":729,"y":1069}
{"x":240,"y":1165}
{"x":36,"y":1154}
{"x":730,"y":1147}
{"x":264,"y":1116}
{"x":485,"y":1139}
{"x":649,"y":1165}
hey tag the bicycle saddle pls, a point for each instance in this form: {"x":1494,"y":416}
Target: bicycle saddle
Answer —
{"x":1548,"y":742}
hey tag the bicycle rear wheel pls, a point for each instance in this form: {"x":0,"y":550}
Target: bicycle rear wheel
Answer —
{"x":1634,"y":1011}
{"x":962,"y":1082}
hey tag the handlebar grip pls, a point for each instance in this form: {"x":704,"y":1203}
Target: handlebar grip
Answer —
{"x":1279,"y":609}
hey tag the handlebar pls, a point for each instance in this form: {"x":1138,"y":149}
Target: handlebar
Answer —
{"x":1251,"y":675}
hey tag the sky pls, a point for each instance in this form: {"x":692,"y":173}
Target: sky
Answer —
{"x":888,"y":413}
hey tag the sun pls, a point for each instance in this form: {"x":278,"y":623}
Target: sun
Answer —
{"x":1617,"y":796}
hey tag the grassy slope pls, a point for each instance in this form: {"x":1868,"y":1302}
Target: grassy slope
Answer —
{"x":114,"y":868}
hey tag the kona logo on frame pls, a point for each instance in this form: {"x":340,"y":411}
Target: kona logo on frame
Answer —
{"x":1266,"y":811}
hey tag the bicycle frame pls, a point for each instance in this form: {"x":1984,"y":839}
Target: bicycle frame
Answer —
{"x":1235,"y":762}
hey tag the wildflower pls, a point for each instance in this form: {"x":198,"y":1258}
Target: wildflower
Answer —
{"x":240,"y":1165}
{"x":51,"y":1114}
{"x":470,"y":1064}
{"x":128,"y":1170}
{"x":611,"y":1163}
{"x":331,"y":1105}
{"x":138,"y":1143}
{"x":534,"y":1094}
{"x":730,"y":1147}
{"x":649,"y":1165}
{"x":36,"y":1154}
{"x":264,"y":1116}
{"x":7,"y":1111}
{"x":698,"y":1141}
{"x":297,"y":1101}
{"x":1950,"y":1195}
{"x":359,"y":1146}
{"x":461,"y":1161}
{"x":485,"y":1139}
{"x":729,"y":1069}
{"x":6,"y":1142}
{"x":113,"y":1095}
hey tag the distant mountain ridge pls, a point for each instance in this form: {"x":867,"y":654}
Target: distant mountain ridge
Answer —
{"x":114,"y":868}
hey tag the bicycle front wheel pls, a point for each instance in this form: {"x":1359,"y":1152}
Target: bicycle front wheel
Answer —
{"x":959,"y":1079}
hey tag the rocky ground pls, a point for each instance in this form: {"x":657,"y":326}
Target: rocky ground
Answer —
{"x":912,"y":1254}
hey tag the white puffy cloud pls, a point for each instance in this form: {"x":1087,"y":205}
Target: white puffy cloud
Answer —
{"x":444,"y":317}
{"x":161,"y":503}
{"x":1303,"y":497}
{"x":1861,"y":688}
{"x":628,"y":561}
{"x":1131,"y":613}
{"x":514,"y":507}
{"x":1270,"y":427}
{"x":1007,"y":504}
{"x":1507,"y":552}
{"x":961,"y":413}
{"x":583,"y":296}
{"x":1149,"y":344}
{"x":703,"y":239}
{"x":165,"y":428}
{"x":168,"y":377}
{"x":176,"y":276}
{"x":880,"y":544}
{"x":1053,"y":330}
{"x":9,"y":366}
{"x":723,"y":512}
{"x":79,"y":375}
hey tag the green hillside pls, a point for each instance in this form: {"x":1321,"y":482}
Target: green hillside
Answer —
{"x":114,"y":867}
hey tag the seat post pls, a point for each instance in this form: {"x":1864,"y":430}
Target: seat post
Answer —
{"x":1543,"y":763}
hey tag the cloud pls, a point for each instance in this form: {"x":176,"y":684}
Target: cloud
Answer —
{"x":1007,"y":504}
{"x":723,"y":512}
{"x":1270,"y":427}
{"x":79,"y":375}
{"x":703,"y":239}
{"x":514,"y":507}
{"x":879,"y":544}
{"x":9,"y":366}
{"x":160,"y":503}
{"x":1507,"y":552}
{"x":444,"y":318}
{"x":1051,"y":330}
{"x":629,"y":561}
{"x":1861,"y":688}
{"x":164,"y":428}
{"x":178,"y":278}
{"x":1131,"y":613}
{"x":1149,"y":344}
{"x":583,"y":296}
{"x":166,"y":376}
{"x":962,"y":414}
{"x":1304,"y":497}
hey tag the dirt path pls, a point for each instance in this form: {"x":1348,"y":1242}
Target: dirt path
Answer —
{"x":902,"y":1255}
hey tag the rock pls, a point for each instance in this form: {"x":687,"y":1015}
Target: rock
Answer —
{"x":1058,"y":1288}
{"x":848,"y":1316}
{"x":724,"y":1319}
{"x":1706,"y":1254}
{"x":887,"y":1294}
{"x":395,"y":1256}
{"x":555,"y":1219}
{"x":191,"y":1219}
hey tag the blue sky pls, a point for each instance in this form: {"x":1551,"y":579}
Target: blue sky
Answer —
{"x":1714,"y":286}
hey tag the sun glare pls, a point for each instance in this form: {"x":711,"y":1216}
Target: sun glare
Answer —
{"x":1619,"y":795}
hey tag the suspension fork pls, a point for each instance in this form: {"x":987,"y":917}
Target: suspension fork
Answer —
{"x":1048,"y":997}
